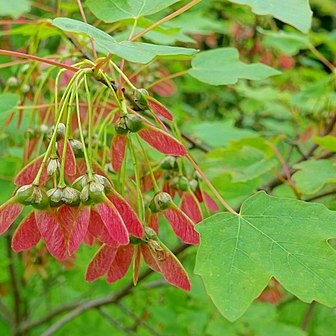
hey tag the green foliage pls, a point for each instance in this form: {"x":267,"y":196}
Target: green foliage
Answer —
{"x":115,"y":10}
{"x":271,"y":237}
{"x":294,"y":12}
{"x":132,"y":51}
{"x":14,"y":9}
{"x":222,"y":67}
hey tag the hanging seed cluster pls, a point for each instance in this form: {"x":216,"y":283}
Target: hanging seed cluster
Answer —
{"x":90,"y":180}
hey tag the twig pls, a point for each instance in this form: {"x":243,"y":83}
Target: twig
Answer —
{"x":138,"y":320}
{"x":114,"y":322}
{"x":308,"y":316}
{"x":79,"y":307}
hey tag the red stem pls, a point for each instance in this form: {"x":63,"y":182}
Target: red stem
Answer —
{"x":39,"y":59}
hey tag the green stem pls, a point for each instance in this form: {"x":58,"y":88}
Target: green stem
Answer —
{"x":141,"y":205}
{"x":86,"y":157}
{"x":156,"y":187}
{"x":123,"y":75}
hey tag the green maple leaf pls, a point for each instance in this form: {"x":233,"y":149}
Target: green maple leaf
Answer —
{"x":271,"y":237}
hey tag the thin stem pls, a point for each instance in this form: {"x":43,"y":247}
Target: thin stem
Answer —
{"x":90,"y":114}
{"x":209,"y":184}
{"x":326,"y":62}
{"x":167,"y":18}
{"x":156,"y":188}
{"x":85,"y":20}
{"x":123,"y":76}
{"x":86,"y":157}
{"x":141,"y":205}
{"x":171,"y":76}
{"x":39,"y":59}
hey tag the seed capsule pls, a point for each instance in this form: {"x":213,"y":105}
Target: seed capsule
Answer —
{"x":169,"y":163}
{"x":133,"y":123}
{"x":55,"y":197}
{"x":53,"y":166}
{"x":160,"y":202}
{"x":77,"y":148}
{"x":71,"y":196}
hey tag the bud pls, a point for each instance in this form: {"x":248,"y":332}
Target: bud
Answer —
{"x":60,"y":131}
{"x":32,"y":195}
{"x":53,"y":166}
{"x":121,"y":127}
{"x":108,"y":188}
{"x":71,"y":196}
{"x":84,"y":196}
{"x":133,"y":123}
{"x":140,"y":98}
{"x":180,"y":183}
{"x":160,"y":202}
{"x":25,"y":88}
{"x":24,"y":193}
{"x":77,"y":148}
{"x":80,"y":182}
{"x":169,"y":163}
{"x":96,"y":191}
{"x":55,"y":197}
{"x":193,"y":184}
{"x":12,"y":82}
{"x":44,"y":129}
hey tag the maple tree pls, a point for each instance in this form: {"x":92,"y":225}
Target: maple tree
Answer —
{"x":180,"y":143}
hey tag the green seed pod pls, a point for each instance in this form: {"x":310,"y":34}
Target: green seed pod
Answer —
{"x":140,"y":98}
{"x":133,"y":123}
{"x":53,"y":166}
{"x":77,"y":148}
{"x":193,"y":184}
{"x":84,"y":196}
{"x":39,"y":199}
{"x":121,"y":127}
{"x":183,"y":183}
{"x":60,"y":131}
{"x":71,"y":196}
{"x":55,"y":197}
{"x":12,"y":82}
{"x":160,"y":202}
{"x":169,"y":163}
{"x":24,"y":193}
{"x":80,"y":182}
{"x":108,"y":188}
{"x":25,"y":88}
{"x":96,"y":192}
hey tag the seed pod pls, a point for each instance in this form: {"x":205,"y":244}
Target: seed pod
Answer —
{"x":80,"y":182}
{"x":77,"y":148}
{"x":169,"y":163}
{"x":84,"y":196}
{"x":60,"y":131}
{"x":12,"y":82}
{"x":53,"y":166}
{"x":71,"y":196}
{"x":44,"y":129}
{"x":133,"y":123}
{"x":160,"y":202}
{"x":24,"y":193}
{"x":108,"y":188}
{"x":55,"y":197}
{"x":96,"y":191}
{"x":140,"y":99}
{"x":121,"y":127}
{"x":25,"y":88}
{"x":39,"y":199}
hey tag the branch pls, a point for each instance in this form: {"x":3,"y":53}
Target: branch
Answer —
{"x":79,"y":307}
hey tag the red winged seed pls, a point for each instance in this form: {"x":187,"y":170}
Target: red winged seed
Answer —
{"x":153,"y":222}
{"x":149,"y":259}
{"x":98,"y":230}
{"x":75,"y":222}
{"x":190,"y":206}
{"x":162,"y":141}
{"x":52,"y":233}
{"x":89,"y":239}
{"x":100,"y":263}
{"x":70,"y":160}
{"x":128,"y":215}
{"x":113,"y":222}
{"x":182,"y":225}
{"x":118,"y":151}
{"x":121,"y":263}
{"x":28,"y":173}
{"x":168,"y":265}
{"x":27,"y":234}
{"x":207,"y":199}
{"x":9,"y":211}
{"x":159,"y":108}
